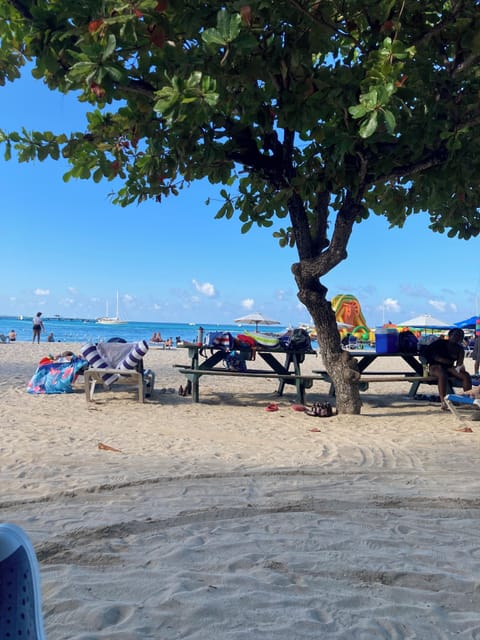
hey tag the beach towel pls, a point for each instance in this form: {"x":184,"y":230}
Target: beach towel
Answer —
{"x":108,"y":355}
{"x":56,"y":376}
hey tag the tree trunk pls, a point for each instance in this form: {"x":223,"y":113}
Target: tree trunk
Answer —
{"x":340,"y":365}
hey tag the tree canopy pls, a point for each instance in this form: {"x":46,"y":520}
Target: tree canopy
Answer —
{"x":320,"y":113}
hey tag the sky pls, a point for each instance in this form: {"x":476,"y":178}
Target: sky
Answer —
{"x":66,"y":249}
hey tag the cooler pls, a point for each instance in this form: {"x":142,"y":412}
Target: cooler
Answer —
{"x":386,"y":340}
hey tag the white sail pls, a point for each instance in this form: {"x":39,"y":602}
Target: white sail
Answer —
{"x":106,"y":319}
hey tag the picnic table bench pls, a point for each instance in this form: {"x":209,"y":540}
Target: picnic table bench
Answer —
{"x":416,"y":375}
{"x":288,"y":372}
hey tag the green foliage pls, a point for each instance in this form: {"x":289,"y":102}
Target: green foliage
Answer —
{"x":315,"y":112}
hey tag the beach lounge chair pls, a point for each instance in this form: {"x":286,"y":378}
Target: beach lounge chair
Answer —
{"x":463,"y":407}
{"x":121,"y":363}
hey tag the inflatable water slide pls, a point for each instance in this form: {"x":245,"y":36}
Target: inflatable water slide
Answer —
{"x":348,"y":311}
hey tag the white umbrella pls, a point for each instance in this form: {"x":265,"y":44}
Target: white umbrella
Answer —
{"x":256,"y":319}
{"x":425,"y":321}
{"x":344,"y":325}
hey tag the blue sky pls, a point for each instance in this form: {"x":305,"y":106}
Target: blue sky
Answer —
{"x":65,"y":249}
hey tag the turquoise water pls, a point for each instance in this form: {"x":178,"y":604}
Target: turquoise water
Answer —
{"x":75,"y":330}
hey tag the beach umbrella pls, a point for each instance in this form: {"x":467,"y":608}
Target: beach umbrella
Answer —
{"x":425,"y":321}
{"x":469,"y":323}
{"x":256,"y":319}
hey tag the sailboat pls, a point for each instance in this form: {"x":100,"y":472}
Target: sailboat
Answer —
{"x":106,"y":319}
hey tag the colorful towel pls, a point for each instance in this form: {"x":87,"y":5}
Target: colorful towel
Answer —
{"x":56,"y":376}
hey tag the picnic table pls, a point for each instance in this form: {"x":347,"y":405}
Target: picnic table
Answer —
{"x":287,"y":372}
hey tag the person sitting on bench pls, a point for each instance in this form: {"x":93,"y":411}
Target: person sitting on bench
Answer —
{"x":445,"y":359}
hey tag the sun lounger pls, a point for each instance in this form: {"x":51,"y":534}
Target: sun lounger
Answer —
{"x":463,"y":407}
{"x":112,"y":363}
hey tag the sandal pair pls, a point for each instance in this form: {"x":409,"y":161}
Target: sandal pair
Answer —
{"x":321,"y":410}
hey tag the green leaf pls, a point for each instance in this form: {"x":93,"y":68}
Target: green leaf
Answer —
{"x":213,"y":36}
{"x":389,"y":120}
{"x":358,"y":111}
{"x":110,"y":48}
{"x":369,"y":127}
{"x":227,"y":30}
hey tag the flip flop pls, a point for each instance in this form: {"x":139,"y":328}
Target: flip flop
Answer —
{"x":315,"y":430}
{"x":271,"y":407}
{"x":298,"y":407}
{"x":465,"y":429}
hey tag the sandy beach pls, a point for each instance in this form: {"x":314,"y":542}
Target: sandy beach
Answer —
{"x":222,"y":520}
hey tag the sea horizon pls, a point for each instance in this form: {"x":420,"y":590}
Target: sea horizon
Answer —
{"x":89,"y":330}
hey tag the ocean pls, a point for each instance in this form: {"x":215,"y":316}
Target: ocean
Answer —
{"x":77,"y":330}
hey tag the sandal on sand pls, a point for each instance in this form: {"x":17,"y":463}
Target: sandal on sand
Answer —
{"x":315,"y":430}
{"x":271,"y":407}
{"x":298,"y":407}
{"x":321,"y":410}
{"x":465,"y":429}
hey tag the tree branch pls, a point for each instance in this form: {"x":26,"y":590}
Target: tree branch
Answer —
{"x":405,"y":171}
{"x":21,"y":8}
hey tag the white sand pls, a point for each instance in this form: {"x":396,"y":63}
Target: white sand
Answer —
{"x":222,"y":521}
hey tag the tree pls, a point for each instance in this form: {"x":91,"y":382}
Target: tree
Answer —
{"x":319,"y":113}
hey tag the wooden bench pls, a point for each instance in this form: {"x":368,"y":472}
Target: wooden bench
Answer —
{"x":254,"y":373}
{"x":289,"y":378}
{"x":395,"y":376}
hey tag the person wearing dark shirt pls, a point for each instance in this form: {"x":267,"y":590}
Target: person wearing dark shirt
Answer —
{"x":445,"y":358}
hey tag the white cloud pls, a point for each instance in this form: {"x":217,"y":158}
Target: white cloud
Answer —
{"x":438,"y":305}
{"x":128,"y":298}
{"x":248,"y":303}
{"x":42,"y":292}
{"x":72,"y":290}
{"x":390,"y":304}
{"x":206,"y":289}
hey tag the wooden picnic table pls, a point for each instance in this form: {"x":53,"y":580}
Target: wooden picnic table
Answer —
{"x":288,"y":372}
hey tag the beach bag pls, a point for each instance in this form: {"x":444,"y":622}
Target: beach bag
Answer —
{"x":246,"y":345}
{"x":218,"y":340}
{"x":407,"y":342}
{"x":234,"y":362}
{"x":298,"y":340}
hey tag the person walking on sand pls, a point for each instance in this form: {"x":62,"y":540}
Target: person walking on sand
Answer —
{"x":445,"y":359}
{"x":38,"y":327}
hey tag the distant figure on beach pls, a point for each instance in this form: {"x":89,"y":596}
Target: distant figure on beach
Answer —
{"x":157,"y":337}
{"x":50,"y":337}
{"x":445,"y":358}
{"x":168,"y":343}
{"x":12,"y":336}
{"x":38,"y":327}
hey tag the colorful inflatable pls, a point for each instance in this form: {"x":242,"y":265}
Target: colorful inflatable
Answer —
{"x":347,"y":310}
